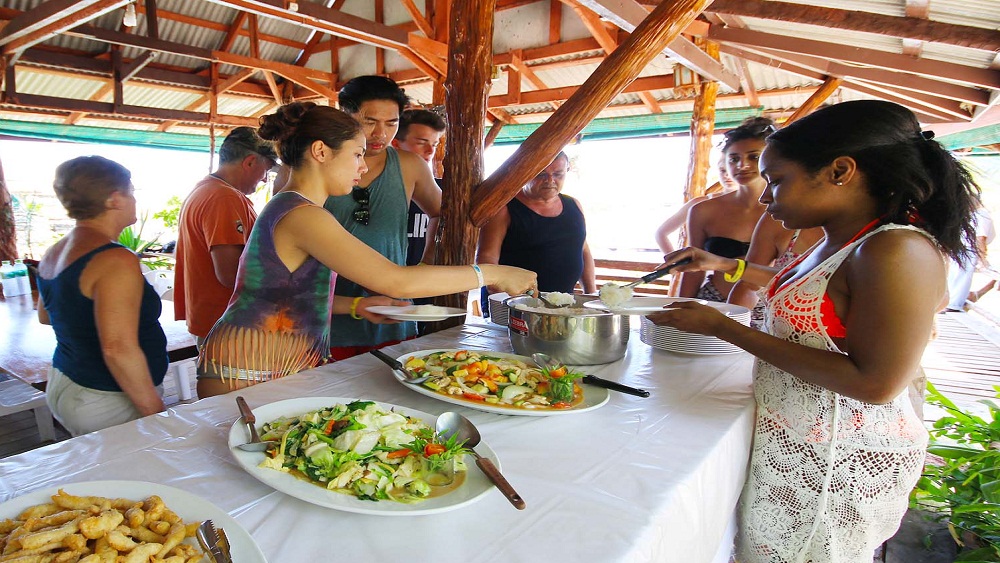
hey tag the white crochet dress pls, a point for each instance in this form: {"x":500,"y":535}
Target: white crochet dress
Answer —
{"x":829,"y":475}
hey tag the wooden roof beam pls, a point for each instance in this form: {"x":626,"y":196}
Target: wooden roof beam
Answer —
{"x":879,"y":76}
{"x":984,"y":78}
{"x":557,"y":95}
{"x":327,"y":20}
{"x":648,"y":40}
{"x":594,"y":25}
{"x":910,"y":27}
{"x":108,"y":109}
{"x":418,"y":18}
{"x":627,"y":14}
{"x":50,"y":19}
{"x":849,"y":84}
{"x":234,"y":31}
{"x":816,"y":99}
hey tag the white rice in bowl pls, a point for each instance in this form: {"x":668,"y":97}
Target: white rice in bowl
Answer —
{"x":559,"y":298}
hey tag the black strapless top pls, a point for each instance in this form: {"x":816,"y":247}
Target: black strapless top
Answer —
{"x":726,"y":247}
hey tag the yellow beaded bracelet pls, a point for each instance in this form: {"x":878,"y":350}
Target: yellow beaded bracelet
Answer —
{"x":741,"y":266}
{"x":354,"y":308}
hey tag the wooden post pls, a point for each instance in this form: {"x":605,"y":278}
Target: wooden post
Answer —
{"x":702,"y":127}
{"x":664,"y":24}
{"x":470,"y":56}
{"x":8,"y":232}
{"x":817,"y":98}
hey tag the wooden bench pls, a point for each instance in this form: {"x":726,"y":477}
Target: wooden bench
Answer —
{"x":17,"y":396}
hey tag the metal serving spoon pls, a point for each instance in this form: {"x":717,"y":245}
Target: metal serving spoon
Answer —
{"x":255,"y":444}
{"x":396,"y":365}
{"x":452,"y":423}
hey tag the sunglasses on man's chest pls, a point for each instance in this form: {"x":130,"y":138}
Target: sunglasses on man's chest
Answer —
{"x":362,"y":213}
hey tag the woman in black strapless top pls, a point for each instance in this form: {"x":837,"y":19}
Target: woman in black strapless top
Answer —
{"x":723,"y":225}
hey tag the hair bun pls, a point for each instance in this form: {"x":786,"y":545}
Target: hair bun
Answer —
{"x":281,"y":124}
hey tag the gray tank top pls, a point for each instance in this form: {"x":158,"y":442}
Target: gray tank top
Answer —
{"x":386,"y":233}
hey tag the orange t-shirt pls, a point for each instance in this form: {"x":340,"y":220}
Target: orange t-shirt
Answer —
{"x":213,"y":214}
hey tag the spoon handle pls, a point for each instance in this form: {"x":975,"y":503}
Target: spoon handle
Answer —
{"x":248,"y":418}
{"x":494,"y":475}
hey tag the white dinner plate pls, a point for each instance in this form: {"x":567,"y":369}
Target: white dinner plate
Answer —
{"x":593,"y":397}
{"x":189,"y":507}
{"x":412,"y":313}
{"x":641,"y":305}
{"x":476,"y":484}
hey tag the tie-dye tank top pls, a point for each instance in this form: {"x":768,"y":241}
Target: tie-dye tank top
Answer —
{"x":277,"y":322}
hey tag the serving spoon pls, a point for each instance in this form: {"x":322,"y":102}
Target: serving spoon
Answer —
{"x":453,"y":424}
{"x":255,"y":444}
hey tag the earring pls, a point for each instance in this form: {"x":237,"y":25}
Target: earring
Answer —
{"x":838,"y":183}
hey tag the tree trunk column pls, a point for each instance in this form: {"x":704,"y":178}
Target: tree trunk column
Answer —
{"x":470,"y":58}
{"x":702,"y":128}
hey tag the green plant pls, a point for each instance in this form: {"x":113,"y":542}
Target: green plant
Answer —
{"x":131,"y":239}
{"x":963,"y":487}
{"x":171,"y":213}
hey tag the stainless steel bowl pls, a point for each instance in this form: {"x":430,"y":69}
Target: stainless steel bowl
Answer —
{"x":586,"y":338}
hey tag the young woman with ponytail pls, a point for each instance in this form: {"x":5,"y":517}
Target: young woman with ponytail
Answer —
{"x":837,"y":446}
{"x":278,"y":320}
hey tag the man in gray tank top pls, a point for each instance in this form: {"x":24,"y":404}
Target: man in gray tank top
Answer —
{"x":376,"y":211}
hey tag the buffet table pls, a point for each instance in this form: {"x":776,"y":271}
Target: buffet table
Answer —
{"x":653,"y":479}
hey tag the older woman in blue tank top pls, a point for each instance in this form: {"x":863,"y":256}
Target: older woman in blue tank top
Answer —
{"x":111,"y":353}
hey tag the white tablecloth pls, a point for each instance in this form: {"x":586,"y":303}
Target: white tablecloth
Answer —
{"x":653,"y":479}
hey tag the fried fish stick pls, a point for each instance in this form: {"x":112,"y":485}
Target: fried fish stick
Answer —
{"x":73,"y":502}
{"x":97,"y":526}
{"x":51,"y":535}
{"x":174,"y":537}
{"x":142,"y":553}
{"x":39,"y":511}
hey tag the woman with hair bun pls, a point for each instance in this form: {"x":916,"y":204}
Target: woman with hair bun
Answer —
{"x":278,"y":320}
{"x":723,"y":225}
{"x":111,"y":353}
{"x":837,"y":446}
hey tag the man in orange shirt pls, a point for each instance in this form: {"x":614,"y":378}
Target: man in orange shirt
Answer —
{"x":215,"y":223}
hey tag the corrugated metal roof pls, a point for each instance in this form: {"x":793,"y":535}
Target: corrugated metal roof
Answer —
{"x":524,"y":27}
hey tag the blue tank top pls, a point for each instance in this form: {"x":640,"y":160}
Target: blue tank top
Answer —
{"x":277,"y":321}
{"x":386,"y":233}
{"x":552,"y":247}
{"x":78,"y":349}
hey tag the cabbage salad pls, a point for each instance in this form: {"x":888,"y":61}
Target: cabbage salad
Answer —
{"x":362,"y":450}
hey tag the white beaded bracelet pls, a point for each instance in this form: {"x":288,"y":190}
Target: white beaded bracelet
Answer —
{"x":479,"y":275}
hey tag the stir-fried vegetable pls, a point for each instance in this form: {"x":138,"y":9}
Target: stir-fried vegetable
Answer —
{"x":362,"y":450}
{"x":478,"y":376}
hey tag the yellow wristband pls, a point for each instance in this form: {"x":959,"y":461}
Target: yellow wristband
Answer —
{"x":741,"y":266}
{"x":354,"y":308}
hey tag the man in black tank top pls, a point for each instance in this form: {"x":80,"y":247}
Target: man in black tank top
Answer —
{"x":544,"y":231}
{"x":420,"y":132}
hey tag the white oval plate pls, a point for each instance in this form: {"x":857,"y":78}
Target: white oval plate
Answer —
{"x":191,"y":508}
{"x":593,"y":397}
{"x":412,"y":313}
{"x":476,"y":484}
{"x":641,"y":305}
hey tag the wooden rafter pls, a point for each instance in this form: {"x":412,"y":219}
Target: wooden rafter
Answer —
{"x":418,"y":18}
{"x":870,"y":57}
{"x":320,"y":18}
{"x":594,"y":25}
{"x":50,"y":19}
{"x":909,"y":27}
{"x":817,"y":98}
{"x":644,"y":84}
{"x":627,"y":14}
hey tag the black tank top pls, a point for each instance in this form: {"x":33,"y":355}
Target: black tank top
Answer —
{"x":726,"y":247}
{"x":552,"y":247}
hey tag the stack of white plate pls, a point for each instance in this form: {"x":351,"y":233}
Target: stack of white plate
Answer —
{"x":498,"y":311}
{"x":673,"y":340}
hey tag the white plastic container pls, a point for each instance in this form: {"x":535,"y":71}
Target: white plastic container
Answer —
{"x":10,"y":285}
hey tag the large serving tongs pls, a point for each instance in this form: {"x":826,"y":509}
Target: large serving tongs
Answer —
{"x":215,"y":547}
